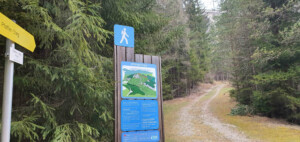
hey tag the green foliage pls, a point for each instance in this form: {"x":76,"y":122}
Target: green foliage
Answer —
{"x":65,"y":88}
{"x":260,"y":37}
{"x":242,"y":95}
{"x":75,"y":132}
{"x":198,"y":24}
{"x":47,"y":111}
{"x":241,"y":109}
{"x":67,"y":82}
{"x":294,"y":118}
{"x":26,"y":128}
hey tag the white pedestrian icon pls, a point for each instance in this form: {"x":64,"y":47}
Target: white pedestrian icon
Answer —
{"x":124,"y":35}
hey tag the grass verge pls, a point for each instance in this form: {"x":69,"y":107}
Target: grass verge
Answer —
{"x":256,"y":127}
{"x":170,"y":109}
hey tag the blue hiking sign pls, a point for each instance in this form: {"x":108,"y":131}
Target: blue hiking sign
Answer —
{"x":124,"y":35}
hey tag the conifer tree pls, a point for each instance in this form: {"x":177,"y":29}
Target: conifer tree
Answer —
{"x":265,"y":69}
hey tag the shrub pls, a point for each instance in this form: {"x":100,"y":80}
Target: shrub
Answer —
{"x":241,"y":109}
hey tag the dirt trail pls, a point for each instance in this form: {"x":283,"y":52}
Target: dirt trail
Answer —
{"x":229,"y":131}
{"x":202,"y":117}
{"x":196,"y":123}
{"x":186,"y":126}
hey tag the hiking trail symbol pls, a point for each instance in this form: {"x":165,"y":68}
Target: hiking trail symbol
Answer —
{"x":124,"y":35}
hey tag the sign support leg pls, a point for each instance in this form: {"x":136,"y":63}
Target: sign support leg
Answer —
{"x":7,"y":93}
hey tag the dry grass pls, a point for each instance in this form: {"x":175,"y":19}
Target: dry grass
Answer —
{"x":170,"y":109}
{"x":257,"y":128}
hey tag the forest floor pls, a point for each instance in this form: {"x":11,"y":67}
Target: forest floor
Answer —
{"x":204,"y":117}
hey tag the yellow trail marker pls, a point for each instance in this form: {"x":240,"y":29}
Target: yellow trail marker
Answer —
{"x":17,"y":34}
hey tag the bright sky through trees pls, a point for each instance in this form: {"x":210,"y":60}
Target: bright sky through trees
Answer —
{"x":210,"y":4}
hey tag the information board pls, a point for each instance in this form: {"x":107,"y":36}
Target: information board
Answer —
{"x":138,"y":95}
{"x":139,"y":80}
{"x":141,"y":136}
{"x":139,"y":115}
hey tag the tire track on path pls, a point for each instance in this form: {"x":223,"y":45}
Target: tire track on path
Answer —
{"x":185,"y":118}
{"x":227,"y":130}
{"x":196,"y":121}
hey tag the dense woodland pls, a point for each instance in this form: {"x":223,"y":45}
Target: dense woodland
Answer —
{"x":257,"y":42}
{"x":64,"y":90}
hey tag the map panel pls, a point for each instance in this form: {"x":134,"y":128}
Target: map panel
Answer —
{"x":138,"y":80}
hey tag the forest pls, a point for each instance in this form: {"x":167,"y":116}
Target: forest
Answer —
{"x":257,"y":43}
{"x":64,"y":91}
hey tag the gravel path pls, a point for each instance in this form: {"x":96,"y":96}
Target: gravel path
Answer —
{"x":188,"y":116}
{"x":185,"y":117}
{"x":227,"y":130}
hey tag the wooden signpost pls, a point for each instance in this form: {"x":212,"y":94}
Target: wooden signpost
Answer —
{"x":137,"y":128}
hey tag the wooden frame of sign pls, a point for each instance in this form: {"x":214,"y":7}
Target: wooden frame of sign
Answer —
{"x":127,"y":54}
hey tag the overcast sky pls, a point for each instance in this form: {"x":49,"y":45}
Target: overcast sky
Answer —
{"x":208,"y":4}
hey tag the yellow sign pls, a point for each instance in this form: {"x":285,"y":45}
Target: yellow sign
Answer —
{"x":17,"y":34}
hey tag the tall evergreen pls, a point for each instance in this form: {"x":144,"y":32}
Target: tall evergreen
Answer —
{"x":64,"y":90}
{"x":265,"y":55}
{"x":198,"y":41}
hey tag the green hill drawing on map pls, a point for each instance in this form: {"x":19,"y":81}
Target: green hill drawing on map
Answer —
{"x":138,"y":84}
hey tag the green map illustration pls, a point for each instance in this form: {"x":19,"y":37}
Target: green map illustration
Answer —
{"x":138,"y":83}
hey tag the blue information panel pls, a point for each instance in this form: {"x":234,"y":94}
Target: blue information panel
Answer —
{"x":124,"y":35}
{"x":141,"y":136}
{"x":139,"y":115}
{"x":138,"y":80}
